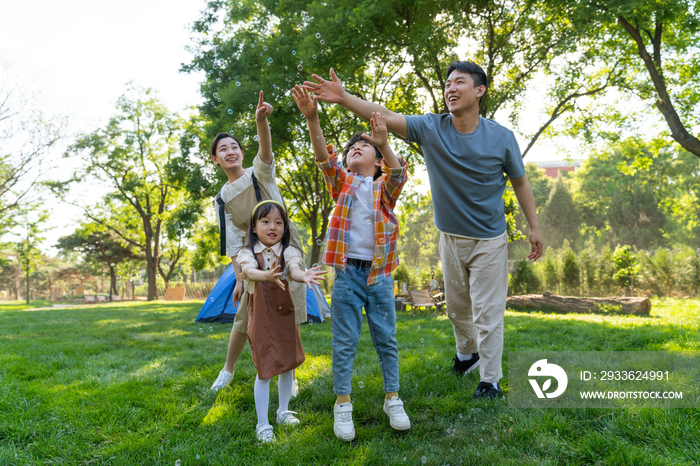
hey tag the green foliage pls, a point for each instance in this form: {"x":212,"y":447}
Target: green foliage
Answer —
{"x":560,"y":219}
{"x":571,"y":274}
{"x":402,"y":274}
{"x":540,"y":183}
{"x":551,"y":274}
{"x":626,"y":267}
{"x":524,"y":280}
{"x":418,"y":238}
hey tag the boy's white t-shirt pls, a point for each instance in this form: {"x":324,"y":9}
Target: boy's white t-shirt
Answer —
{"x":292,"y":258}
{"x":361,"y":233}
{"x":265,"y":175}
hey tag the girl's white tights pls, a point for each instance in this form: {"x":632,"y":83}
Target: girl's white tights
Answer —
{"x":262,"y":395}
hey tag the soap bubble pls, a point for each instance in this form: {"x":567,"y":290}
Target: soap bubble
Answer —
{"x":218,"y":80}
{"x":289,"y":129}
{"x":206,"y":115}
{"x":294,"y":52}
{"x":230,"y":111}
{"x":278,"y":49}
{"x":216,"y":94}
{"x":211,"y":329}
{"x":421,"y":340}
{"x":196,"y":456}
{"x":318,"y":35}
{"x":454,"y":315}
{"x":269,"y":60}
{"x":264,"y":47}
{"x":261,"y":54}
{"x":424,"y":460}
{"x":238,"y":83}
{"x":323,"y":41}
{"x":256,"y":138}
{"x":361,"y":384}
{"x":300,"y":67}
{"x":314,"y":57}
{"x":178,"y":463}
{"x":319,"y":242}
{"x":289,"y":103}
{"x":251,"y":106}
{"x":286,"y":67}
{"x":418,"y":327}
{"x":315,"y":265}
{"x":460,"y":415}
{"x":274,"y":86}
{"x":200,"y":329}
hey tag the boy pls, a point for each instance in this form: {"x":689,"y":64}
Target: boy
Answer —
{"x":361,"y":246}
{"x":466,"y":157}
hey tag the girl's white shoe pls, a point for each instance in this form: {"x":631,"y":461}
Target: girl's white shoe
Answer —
{"x":222,"y":381}
{"x":287,"y":418}
{"x":265,"y":434}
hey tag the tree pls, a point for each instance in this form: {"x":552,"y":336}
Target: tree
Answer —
{"x":26,"y":138}
{"x":391,"y":53}
{"x":664,"y":34}
{"x":132,"y":155}
{"x":560,"y":217}
{"x":98,"y":245}
{"x":641,"y":193}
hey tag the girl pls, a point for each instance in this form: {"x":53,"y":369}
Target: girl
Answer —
{"x":244,"y":189}
{"x":266,"y":264}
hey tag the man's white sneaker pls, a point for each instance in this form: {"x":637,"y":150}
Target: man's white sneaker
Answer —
{"x":287,"y":418}
{"x":343,"y":427}
{"x":295,"y":388}
{"x":222,"y":381}
{"x":265,"y":434}
{"x":398,"y":419}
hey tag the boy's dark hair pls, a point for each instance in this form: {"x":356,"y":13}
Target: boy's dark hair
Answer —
{"x":353,"y":140}
{"x":261,"y":212}
{"x":473,"y":70}
{"x":218,"y":138}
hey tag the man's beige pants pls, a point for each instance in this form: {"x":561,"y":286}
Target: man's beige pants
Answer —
{"x":476,"y":287}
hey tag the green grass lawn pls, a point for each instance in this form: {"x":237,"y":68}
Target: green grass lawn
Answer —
{"x":128,"y":383}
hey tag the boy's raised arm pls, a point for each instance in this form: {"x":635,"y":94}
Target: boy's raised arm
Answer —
{"x":308,"y":106}
{"x":264,"y":140}
{"x":379,"y":139}
{"x":332,"y":91}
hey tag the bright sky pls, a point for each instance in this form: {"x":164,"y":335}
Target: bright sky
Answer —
{"x":79,"y":55}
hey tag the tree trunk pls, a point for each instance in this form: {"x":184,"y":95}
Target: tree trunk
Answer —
{"x":637,"y":306}
{"x":113,"y":280}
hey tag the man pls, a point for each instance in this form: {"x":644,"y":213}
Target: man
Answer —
{"x":466,"y":157}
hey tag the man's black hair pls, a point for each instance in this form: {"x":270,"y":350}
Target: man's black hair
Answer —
{"x":473,"y":70}
{"x":358,"y":137}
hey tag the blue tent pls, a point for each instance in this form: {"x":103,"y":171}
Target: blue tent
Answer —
{"x":219,"y":306}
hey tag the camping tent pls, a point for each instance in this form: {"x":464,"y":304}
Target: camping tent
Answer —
{"x":219,"y":306}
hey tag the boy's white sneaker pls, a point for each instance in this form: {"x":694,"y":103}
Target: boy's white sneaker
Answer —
{"x":265,"y":434}
{"x":343,"y":428}
{"x":222,"y":381}
{"x":287,"y":418}
{"x":398,"y":419}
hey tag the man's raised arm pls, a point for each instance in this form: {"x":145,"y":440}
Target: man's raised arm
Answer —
{"x":333,"y":92}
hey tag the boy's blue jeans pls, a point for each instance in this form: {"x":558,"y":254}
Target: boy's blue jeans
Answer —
{"x":350,"y":294}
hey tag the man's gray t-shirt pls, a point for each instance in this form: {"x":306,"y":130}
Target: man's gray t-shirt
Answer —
{"x":466,"y":173}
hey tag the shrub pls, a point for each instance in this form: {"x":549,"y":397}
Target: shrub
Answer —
{"x":551,"y":277}
{"x":571,"y":276}
{"x":626,"y":268}
{"x":402,"y":275}
{"x":523,"y":279}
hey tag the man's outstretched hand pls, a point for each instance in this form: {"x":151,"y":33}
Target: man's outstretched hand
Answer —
{"x":329,"y":91}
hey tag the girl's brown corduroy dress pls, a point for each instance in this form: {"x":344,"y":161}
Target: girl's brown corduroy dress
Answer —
{"x":275,"y":343}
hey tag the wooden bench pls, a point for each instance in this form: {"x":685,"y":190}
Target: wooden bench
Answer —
{"x":419,"y":297}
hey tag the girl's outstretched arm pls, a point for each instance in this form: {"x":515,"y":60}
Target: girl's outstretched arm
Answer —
{"x":308,"y":106}
{"x":310,"y":276}
{"x":264,"y":140}
{"x":272,"y":275}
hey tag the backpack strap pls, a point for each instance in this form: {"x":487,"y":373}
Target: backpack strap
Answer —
{"x":258,"y":196}
{"x":222,"y":224}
